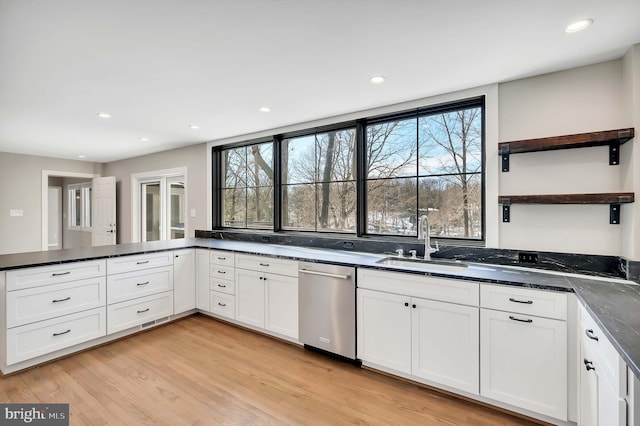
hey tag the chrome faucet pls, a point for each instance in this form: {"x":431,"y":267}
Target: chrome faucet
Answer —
{"x":427,"y":239}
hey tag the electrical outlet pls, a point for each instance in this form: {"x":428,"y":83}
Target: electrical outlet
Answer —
{"x":527,"y":257}
{"x":266,"y":239}
{"x":347,"y":245}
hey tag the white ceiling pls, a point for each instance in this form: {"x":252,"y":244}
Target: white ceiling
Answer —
{"x":159,"y":66}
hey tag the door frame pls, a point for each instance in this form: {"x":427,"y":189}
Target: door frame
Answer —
{"x":44,"y":206}
{"x":137,"y":179}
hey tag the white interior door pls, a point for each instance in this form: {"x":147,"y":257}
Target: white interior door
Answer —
{"x":54,"y":231}
{"x":103,"y":211}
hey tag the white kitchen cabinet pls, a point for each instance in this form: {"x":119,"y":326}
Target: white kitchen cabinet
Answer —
{"x":202,"y":280}
{"x":129,"y":285}
{"x":184,"y":280}
{"x":266,"y":294}
{"x":524,"y":361}
{"x":384,"y":329}
{"x":132,"y":313}
{"x":434,"y":340}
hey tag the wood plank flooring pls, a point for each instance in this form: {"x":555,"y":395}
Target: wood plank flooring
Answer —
{"x":199,"y":371}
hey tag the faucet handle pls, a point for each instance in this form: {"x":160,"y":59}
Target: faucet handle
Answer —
{"x":400,"y":252}
{"x":414,"y":254}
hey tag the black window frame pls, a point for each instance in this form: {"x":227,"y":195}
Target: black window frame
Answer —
{"x":360,"y":126}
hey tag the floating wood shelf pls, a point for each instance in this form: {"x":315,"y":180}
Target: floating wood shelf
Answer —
{"x":613,"y":138}
{"x":614,"y":199}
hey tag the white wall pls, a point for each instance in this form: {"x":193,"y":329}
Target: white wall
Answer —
{"x":21,"y":177}
{"x":194,"y":158}
{"x":579,"y":100}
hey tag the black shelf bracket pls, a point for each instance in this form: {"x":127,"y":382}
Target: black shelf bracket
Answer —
{"x":504,"y":154}
{"x":506,"y":209}
{"x":614,"y":153}
{"x":614,"y":214}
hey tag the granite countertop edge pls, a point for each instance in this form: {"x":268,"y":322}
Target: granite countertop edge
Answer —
{"x":614,"y":303}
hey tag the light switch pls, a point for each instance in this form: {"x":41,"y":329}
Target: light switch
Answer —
{"x":193,"y":212}
{"x":16,"y":213}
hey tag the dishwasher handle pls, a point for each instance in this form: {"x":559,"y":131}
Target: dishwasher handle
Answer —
{"x":325,"y":274}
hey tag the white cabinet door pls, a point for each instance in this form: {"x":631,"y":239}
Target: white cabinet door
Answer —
{"x":281,"y":313}
{"x":202,"y":279}
{"x":446,"y":343}
{"x":184,"y":280}
{"x":250,"y":294}
{"x":523,"y":361}
{"x":588,"y":403}
{"x":384,"y":330}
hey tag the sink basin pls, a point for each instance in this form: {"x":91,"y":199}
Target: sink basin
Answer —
{"x":427,"y":265}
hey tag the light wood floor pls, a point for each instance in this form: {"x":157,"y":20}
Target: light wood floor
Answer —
{"x":200,"y":371}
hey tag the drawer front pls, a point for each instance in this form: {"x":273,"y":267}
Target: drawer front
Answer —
{"x":222,"y":258}
{"x":18,"y":279}
{"x":121,"y":287}
{"x":221,"y":272}
{"x":267,"y":264}
{"x":223,"y":304}
{"x":442,"y":289}
{"x":223,"y":286}
{"x":30,"y":341}
{"x":122,"y":316}
{"x":539,"y":303}
{"x":138,"y":262}
{"x":41,"y":303}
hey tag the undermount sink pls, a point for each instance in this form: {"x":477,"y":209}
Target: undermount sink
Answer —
{"x":427,"y":265}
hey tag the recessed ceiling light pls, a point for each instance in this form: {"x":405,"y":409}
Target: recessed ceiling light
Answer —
{"x":81,"y":156}
{"x":377,"y":79}
{"x":578,"y":25}
{"x":194,"y":127}
{"x":144,"y":139}
{"x":104,"y":115}
{"x":264,"y":109}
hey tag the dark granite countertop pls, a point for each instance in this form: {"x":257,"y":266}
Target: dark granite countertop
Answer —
{"x":614,"y":303}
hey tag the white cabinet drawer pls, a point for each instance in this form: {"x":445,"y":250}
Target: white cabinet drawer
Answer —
{"x":223,"y":286}
{"x":137,"y":262}
{"x":221,"y":258}
{"x":445,"y":290}
{"x":30,"y":341}
{"x":223,"y":304}
{"x":121,"y":287}
{"x":41,"y":303}
{"x":222,"y":272}
{"x":124,"y":315}
{"x":539,"y":303}
{"x":267,"y":264}
{"x":18,"y":279}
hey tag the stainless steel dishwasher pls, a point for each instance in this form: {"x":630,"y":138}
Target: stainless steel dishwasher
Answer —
{"x":327,"y":308}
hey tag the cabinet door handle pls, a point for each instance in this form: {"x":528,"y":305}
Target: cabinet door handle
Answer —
{"x":222,"y":258}
{"x":61,"y":300}
{"x":222,"y":304}
{"x":590,"y":335}
{"x":141,"y":284}
{"x":414,"y":306}
{"x":222,"y":272}
{"x":60,"y":274}
{"x":526,"y":302}
{"x":142,"y":262}
{"x":588,"y":365}
{"x":143,"y":311}
{"x":264,"y":264}
{"x":406,"y":303}
{"x":61,"y":333}
{"x":528,"y":320}
{"x":222,"y":286}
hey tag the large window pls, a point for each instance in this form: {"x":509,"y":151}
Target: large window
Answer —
{"x":247,"y":186}
{"x":319,"y":182}
{"x":375,"y":176}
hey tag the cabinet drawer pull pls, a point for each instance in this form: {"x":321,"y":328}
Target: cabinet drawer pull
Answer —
{"x":222,"y":258}
{"x":142,"y":262}
{"x":590,"y":335}
{"x":406,"y":303}
{"x":143,"y":311}
{"x":222,"y":286}
{"x":526,"y":302}
{"x":222,"y":304}
{"x":264,"y":264}
{"x":61,"y":300}
{"x":222,"y":272}
{"x":588,"y":365}
{"x":57,"y":274}
{"x":61,"y":333}
{"x":141,"y":284}
{"x":529,"y":320}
